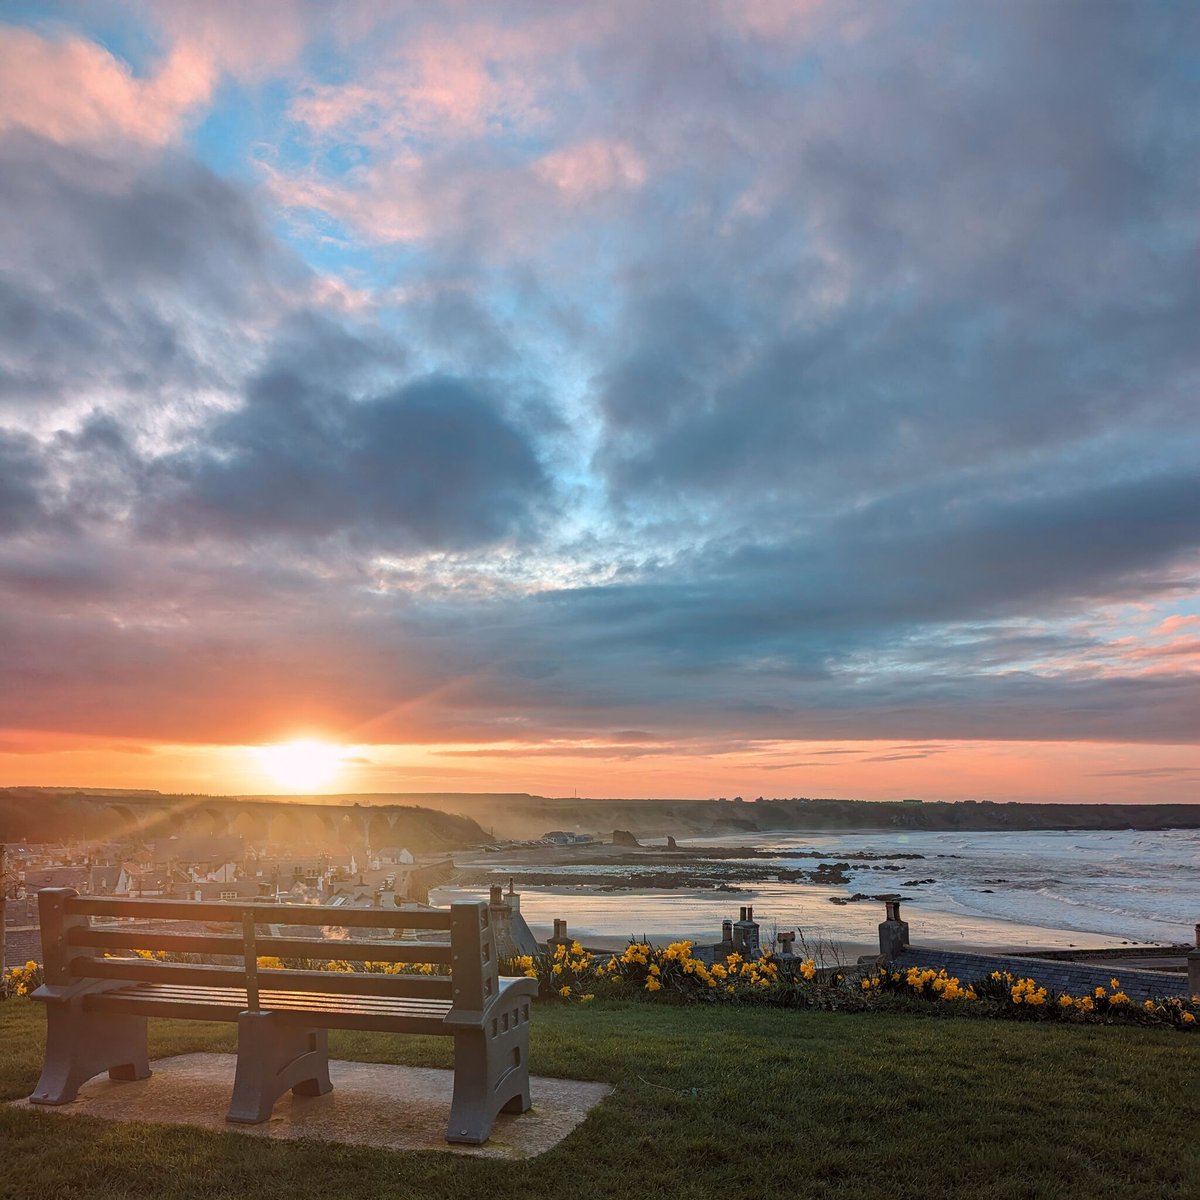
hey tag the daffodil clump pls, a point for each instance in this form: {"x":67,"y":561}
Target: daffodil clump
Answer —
{"x":405,"y":968}
{"x":570,"y":972}
{"x":1004,"y":994}
{"x":921,"y":982}
{"x":342,"y":966}
{"x":20,"y":981}
{"x":1112,"y":1004}
{"x":567,"y":972}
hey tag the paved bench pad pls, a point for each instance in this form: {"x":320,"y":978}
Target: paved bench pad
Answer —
{"x":373,"y":1104}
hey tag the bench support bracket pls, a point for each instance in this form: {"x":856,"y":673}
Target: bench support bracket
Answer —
{"x":491,"y":1072}
{"x":81,"y":1044}
{"x":275,"y":1055}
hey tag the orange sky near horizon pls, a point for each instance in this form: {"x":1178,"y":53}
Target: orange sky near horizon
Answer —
{"x":873,"y":770}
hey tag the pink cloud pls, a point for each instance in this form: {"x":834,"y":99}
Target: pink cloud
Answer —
{"x":1174,"y":624}
{"x":448,"y":83}
{"x":388,"y":204}
{"x":771,"y":18}
{"x":1177,"y":648}
{"x":249,"y":40}
{"x":597,"y":165}
{"x":72,"y":90}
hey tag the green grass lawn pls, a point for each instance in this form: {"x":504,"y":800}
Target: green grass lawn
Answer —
{"x":708,"y":1101}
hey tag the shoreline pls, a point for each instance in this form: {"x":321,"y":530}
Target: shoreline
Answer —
{"x":610,"y":920}
{"x":1014,"y":891}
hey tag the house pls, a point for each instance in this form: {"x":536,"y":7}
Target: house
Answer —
{"x":237,"y":889}
{"x":284,"y":872}
{"x":391,"y":856}
{"x":56,"y":877}
{"x":138,"y":881}
{"x":562,"y":837}
{"x":205,"y":854}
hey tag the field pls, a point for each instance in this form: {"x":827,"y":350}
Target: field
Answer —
{"x":708,"y":1101}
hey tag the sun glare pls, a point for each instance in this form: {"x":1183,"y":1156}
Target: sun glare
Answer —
{"x":303,"y":765}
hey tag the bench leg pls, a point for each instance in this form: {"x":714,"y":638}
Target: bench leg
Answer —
{"x":274,"y":1055}
{"x":491,"y":1074}
{"x":81,"y":1045}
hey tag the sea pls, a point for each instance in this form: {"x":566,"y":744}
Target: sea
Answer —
{"x":994,"y":891}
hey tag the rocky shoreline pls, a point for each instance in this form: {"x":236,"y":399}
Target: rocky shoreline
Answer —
{"x":723,"y":869}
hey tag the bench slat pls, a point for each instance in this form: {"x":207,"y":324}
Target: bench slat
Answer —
{"x":279,"y":947}
{"x":270,"y":998}
{"x":342,"y":983}
{"x":264,"y":914}
{"x":134,"y":1001}
{"x":284,"y":999}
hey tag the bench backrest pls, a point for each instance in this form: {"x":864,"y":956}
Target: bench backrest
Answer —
{"x":74,"y":948}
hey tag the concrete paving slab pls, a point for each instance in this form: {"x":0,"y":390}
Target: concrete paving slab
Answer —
{"x":372,"y":1104}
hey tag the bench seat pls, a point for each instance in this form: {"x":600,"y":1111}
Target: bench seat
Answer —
{"x":326,"y":1009}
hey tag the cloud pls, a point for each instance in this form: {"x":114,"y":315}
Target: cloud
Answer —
{"x":124,"y":277}
{"x":151,"y":330}
{"x":252,"y":41}
{"x":593,"y":166}
{"x":1151,"y":773}
{"x":73,"y":91}
{"x":22,"y":475}
{"x":432,"y":463}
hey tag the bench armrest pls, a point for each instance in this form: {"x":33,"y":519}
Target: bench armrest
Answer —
{"x":511,"y":988}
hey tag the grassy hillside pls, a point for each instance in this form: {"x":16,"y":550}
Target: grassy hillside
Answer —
{"x":524,"y":816}
{"x":708,"y":1102}
{"x":50,"y":814}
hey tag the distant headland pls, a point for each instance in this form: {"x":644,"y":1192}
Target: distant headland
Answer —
{"x":507,"y":815}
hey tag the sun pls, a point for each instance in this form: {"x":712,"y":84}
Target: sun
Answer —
{"x":303,"y":765}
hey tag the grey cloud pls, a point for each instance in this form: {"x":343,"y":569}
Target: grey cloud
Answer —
{"x":149,"y":282}
{"x":965,"y":248}
{"x":432,"y":463}
{"x":1151,"y":773}
{"x":124,"y":275}
{"x":892,"y":757}
{"x":22,"y":475}
{"x":903,"y":565}
{"x":131,"y":219}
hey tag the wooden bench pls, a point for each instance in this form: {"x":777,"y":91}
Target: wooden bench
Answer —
{"x":98,"y":997}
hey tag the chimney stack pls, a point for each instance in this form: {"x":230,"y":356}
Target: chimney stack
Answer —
{"x":1193,"y":965}
{"x":893,"y":932}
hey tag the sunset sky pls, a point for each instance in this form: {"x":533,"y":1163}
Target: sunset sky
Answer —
{"x":668,"y":399}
